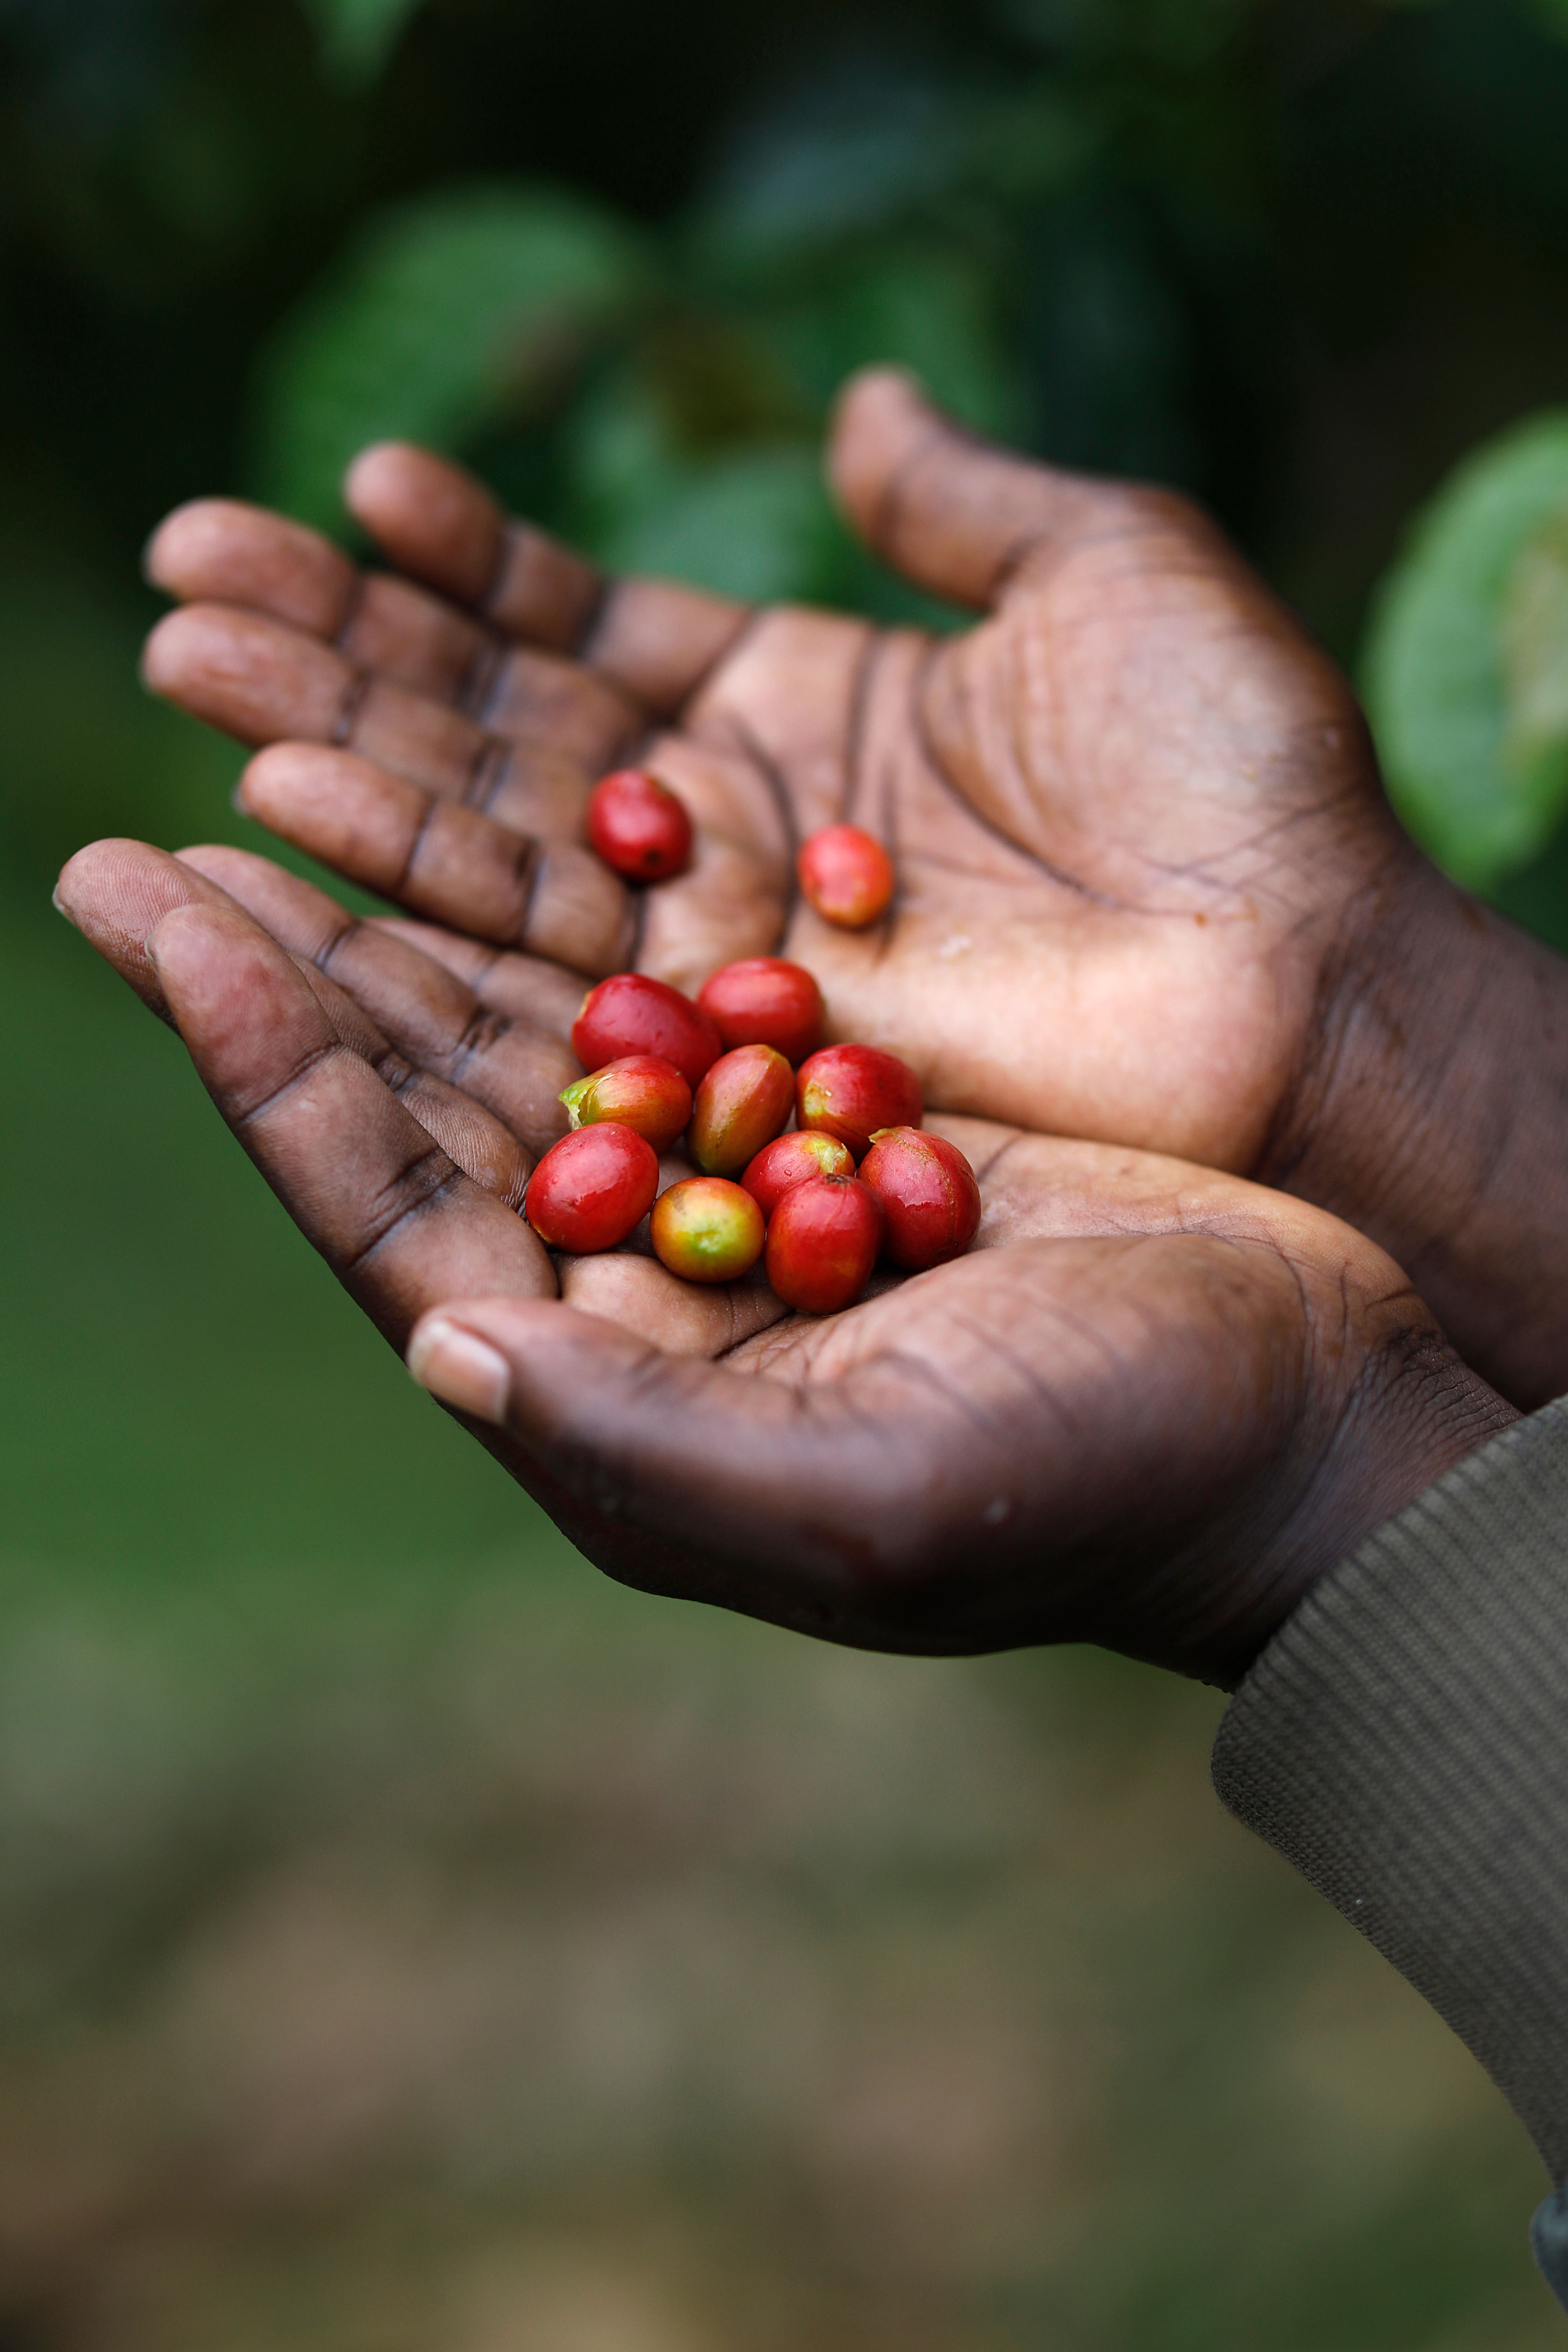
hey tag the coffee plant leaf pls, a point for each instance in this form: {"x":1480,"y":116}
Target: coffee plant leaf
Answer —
{"x":444,"y":318}
{"x":1462,"y":669}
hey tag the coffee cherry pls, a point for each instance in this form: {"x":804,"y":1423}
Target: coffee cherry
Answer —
{"x":928,"y":1195}
{"x":846,"y":876}
{"x":638,"y":826}
{"x":591,"y":1188}
{"x":790,"y":1159}
{"x":764,"y":1001}
{"x":630,"y":1014}
{"x":823,"y":1240}
{"x":639,"y":1091}
{"x":741,"y":1104}
{"x":850,"y":1091}
{"x":706,"y":1230}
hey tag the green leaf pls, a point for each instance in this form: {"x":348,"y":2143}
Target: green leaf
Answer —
{"x":445,"y":317}
{"x":922,"y":306}
{"x":622,"y":455}
{"x":849,"y":154}
{"x":1113,"y":342}
{"x":1533,"y":630}
{"x":750,"y":519}
{"x":1452,"y":657}
{"x":356,"y":36}
{"x":879,"y":145}
{"x":1185,"y":34}
{"x":756,"y":524}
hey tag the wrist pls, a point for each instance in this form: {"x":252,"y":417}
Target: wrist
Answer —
{"x":1430,"y":1111}
{"x":1416,"y":1410}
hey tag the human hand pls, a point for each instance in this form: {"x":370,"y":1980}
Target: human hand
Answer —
{"x":1149,"y":1410}
{"x":1149,"y":888}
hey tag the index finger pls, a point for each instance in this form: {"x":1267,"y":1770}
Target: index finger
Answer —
{"x":656,"y":638}
{"x":117,"y":892}
{"x":513,"y":1070}
{"x":396,"y":1219}
{"x":476,"y":581}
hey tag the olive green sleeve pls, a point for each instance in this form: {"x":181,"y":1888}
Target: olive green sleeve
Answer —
{"x":1404,"y":1741}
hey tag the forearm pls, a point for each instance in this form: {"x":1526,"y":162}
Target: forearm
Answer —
{"x":1431,"y":1111}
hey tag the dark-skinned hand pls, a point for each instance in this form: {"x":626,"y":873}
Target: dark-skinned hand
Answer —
{"x":1150,"y":1407}
{"x":1149,"y":888}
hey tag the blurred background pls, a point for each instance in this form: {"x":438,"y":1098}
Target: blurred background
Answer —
{"x":406,"y":1938}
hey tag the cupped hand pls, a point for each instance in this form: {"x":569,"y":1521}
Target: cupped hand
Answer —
{"x":1127,"y":809}
{"x":1150,"y":1408}
{"x":1149,"y":888}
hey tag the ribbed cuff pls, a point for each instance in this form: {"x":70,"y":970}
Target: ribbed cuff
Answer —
{"x":1404,"y":1741}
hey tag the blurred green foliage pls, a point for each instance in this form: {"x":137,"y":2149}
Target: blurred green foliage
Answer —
{"x":357,"y":36}
{"x":1300,"y":258}
{"x":1467,"y":667}
{"x":444,"y":316}
{"x":403,"y":1938}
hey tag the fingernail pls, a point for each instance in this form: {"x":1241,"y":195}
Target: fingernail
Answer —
{"x":460,"y":1370}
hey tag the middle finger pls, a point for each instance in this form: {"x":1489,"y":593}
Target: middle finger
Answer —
{"x":538,"y":719}
{"x":549,"y":896}
{"x":514,"y":1070}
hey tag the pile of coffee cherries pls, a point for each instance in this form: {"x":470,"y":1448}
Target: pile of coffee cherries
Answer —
{"x":854,"y":1178}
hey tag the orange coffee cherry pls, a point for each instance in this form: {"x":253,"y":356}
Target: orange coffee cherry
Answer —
{"x":846,"y":876}
{"x":742,"y":1102}
{"x":706,"y":1230}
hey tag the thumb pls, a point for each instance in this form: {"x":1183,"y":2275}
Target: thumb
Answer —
{"x":787,"y":1502}
{"x":954,"y":513}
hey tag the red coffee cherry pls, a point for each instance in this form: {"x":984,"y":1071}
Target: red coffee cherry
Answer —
{"x":638,"y":826}
{"x":928,"y":1195}
{"x":850,"y":1091}
{"x":741,"y":1104}
{"x":764,"y":1001}
{"x":706,"y":1230}
{"x":591,"y":1188}
{"x":823,"y":1240}
{"x":846,"y":876}
{"x":639,"y":1091}
{"x":791,"y":1160}
{"x":630,"y":1014}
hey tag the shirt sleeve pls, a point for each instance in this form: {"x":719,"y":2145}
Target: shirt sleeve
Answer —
{"x":1403,"y":1742}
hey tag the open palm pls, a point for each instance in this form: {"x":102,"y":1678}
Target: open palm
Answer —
{"x":1149,"y":888}
{"x":1129,"y":810}
{"x":1149,"y":1408}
